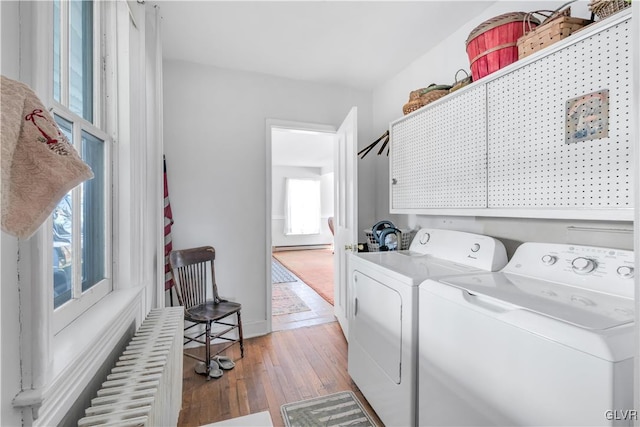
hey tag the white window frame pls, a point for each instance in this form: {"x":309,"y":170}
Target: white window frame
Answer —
{"x":56,"y":368}
{"x":81,"y":301}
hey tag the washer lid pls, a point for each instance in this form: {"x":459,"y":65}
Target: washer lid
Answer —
{"x":580,"y":307}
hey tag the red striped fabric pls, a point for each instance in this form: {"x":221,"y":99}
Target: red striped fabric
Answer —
{"x":168,"y":223}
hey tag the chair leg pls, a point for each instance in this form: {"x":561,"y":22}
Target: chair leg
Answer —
{"x":240,"y":335}
{"x":207,"y":350}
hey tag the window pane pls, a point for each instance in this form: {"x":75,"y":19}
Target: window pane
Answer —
{"x":93,"y":213}
{"x":62,"y":261}
{"x":303,"y":206}
{"x":62,"y":236}
{"x":57,"y":41}
{"x":81,"y":58}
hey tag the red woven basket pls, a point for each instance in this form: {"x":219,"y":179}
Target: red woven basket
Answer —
{"x":492,"y":44}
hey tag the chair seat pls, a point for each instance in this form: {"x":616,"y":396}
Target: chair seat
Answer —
{"x":209,"y":310}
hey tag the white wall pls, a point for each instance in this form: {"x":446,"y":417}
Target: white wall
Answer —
{"x":215,"y":144}
{"x":439,"y":65}
{"x":9,"y":296}
{"x":278,"y":196}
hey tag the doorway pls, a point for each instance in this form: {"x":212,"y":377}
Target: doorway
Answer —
{"x":301,"y":200}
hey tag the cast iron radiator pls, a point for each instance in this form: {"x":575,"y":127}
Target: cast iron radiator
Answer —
{"x":145,"y":386}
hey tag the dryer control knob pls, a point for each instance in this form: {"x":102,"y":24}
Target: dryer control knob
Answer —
{"x":583,"y":265}
{"x":425,"y":238}
{"x":549,"y":259}
{"x":475,"y":247}
{"x":625,"y":271}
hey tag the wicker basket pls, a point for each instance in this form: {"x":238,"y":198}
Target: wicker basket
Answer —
{"x":459,"y":84}
{"x":492,"y":44}
{"x":421,"y":97}
{"x":405,"y":240}
{"x":604,"y":8}
{"x":557,"y":27}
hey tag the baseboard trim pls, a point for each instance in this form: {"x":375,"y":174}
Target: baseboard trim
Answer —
{"x":299,"y":248}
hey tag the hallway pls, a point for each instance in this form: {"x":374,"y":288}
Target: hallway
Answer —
{"x":313,"y":266}
{"x":317,"y":267}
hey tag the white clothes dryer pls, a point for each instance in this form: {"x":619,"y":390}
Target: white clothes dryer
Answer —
{"x":382,"y":324}
{"x":547,"y":341}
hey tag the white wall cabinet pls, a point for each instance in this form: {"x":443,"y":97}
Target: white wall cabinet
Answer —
{"x":497,"y":147}
{"x":439,"y":155}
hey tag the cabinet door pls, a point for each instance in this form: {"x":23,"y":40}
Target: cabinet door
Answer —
{"x":531,"y":165}
{"x":438,"y":155}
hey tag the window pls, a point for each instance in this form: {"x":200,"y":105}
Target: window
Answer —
{"x":81,"y":221}
{"x":303,"y":206}
{"x":73,"y":56}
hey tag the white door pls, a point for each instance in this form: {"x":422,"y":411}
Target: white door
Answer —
{"x":345,"y":213}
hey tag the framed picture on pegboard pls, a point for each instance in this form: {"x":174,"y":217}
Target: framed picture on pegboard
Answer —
{"x":588,"y":117}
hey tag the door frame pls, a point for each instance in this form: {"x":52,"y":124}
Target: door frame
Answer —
{"x":270,"y":125}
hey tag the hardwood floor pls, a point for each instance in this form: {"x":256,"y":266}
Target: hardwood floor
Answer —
{"x":282,"y":367}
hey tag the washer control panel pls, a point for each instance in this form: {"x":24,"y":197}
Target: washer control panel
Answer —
{"x":599,"y":269}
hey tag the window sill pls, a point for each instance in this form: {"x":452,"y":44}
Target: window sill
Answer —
{"x":79,"y":350}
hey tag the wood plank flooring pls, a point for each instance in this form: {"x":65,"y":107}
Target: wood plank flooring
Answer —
{"x":282,"y":367}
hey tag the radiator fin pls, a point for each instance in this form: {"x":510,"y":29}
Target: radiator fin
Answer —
{"x":145,"y":386}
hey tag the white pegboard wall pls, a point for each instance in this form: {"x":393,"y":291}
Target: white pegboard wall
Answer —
{"x":438,"y":154}
{"x":529,"y":163}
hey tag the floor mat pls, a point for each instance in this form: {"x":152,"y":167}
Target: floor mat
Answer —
{"x":284,"y":300}
{"x":338,"y":409}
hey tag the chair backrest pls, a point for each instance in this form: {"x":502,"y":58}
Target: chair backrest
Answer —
{"x":190,"y":268}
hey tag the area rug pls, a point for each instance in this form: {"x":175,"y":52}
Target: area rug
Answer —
{"x":338,"y":409}
{"x":279,"y":274}
{"x":313,"y":266}
{"x":284,"y":300}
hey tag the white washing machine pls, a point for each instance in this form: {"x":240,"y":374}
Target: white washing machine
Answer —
{"x":382,"y":324}
{"x":547,"y":341}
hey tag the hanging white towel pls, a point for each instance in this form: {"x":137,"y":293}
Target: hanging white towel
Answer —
{"x":39,"y":166}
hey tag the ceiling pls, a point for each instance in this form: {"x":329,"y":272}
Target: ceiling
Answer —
{"x":358,"y":44}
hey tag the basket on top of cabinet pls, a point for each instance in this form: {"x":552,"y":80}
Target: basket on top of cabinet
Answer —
{"x":605,"y":8}
{"x":556,"y":26}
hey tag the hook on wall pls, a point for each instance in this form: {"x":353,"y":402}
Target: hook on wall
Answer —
{"x":385,"y":141}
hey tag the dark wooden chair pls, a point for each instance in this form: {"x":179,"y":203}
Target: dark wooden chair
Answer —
{"x":194,"y":274}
